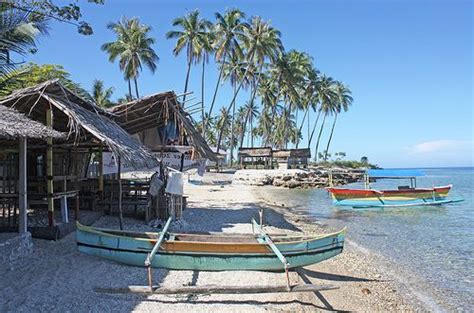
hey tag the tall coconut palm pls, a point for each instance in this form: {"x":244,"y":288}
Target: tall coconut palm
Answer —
{"x":250,"y":111}
{"x":133,"y":47}
{"x":261,"y":41}
{"x":342,"y":103}
{"x":269,"y":93}
{"x":227,"y":31}
{"x":235,"y":71}
{"x":327,"y":98}
{"x":193,"y":35}
{"x":101,"y":95}
{"x":288,"y":75}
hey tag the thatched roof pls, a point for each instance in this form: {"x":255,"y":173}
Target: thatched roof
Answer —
{"x":255,"y":152}
{"x":82,"y":120}
{"x":155,"y":111}
{"x":14,"y":125}
{"x":292,"y":153}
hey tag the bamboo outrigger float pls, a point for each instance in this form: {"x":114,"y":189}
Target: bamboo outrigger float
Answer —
{"x":204,"y":252}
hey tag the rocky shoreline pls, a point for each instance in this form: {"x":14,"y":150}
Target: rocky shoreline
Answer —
{"x":318,"y":177}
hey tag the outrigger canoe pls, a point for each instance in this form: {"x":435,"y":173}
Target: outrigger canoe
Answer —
{"x":208,"y":252}
{"x":403,"y":196}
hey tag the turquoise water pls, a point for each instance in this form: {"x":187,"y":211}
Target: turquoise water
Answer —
{"x":434,"y":243}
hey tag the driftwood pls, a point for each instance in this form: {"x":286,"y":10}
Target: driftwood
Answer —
{"x":215,"y":289}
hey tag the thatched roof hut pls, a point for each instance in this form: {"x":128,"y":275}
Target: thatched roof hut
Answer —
{"x":83,"y":121}
{"x":255,"y":152}
{"x":158,"y":121}
{"x":14,"y":125}
{"x":292,"y":153}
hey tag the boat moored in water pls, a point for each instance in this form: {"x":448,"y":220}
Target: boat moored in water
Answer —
{"x":400,"y":197}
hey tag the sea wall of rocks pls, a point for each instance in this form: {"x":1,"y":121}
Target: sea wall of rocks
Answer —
{"x":296,"y":178}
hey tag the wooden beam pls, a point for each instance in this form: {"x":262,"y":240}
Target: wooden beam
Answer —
{"x":119,"y":179}
{"x":214,"y":289}
{"x":22,"y":201}
{"x":49,"y":169}
{"x":101,"y":171}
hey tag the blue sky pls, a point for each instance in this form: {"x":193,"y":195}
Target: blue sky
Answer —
{"x":409,"y":65}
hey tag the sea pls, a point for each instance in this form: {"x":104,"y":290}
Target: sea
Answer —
{"x":430,"y":249}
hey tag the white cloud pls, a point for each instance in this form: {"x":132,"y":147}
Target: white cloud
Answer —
{"x":440,"y":146}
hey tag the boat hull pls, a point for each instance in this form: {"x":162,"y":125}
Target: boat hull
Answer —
{"x":208,"y":256}
{"x":403,"y":197}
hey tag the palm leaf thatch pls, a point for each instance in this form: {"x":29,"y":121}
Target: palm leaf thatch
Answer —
{"x":14,"y":125}
{"x":83,"y":121}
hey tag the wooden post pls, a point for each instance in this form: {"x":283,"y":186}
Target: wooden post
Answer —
{"x":76,"y":180}
{"x":101,"y":171}
{"x":49,"y":169}
{"x":22,"y":201}
{"x":119,"y":179}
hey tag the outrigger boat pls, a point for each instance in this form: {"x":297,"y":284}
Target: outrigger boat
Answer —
{"x":404,"y":196}
{"x":208,"y":252}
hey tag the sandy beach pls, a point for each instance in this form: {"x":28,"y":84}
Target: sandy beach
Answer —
{"x":56,"y":277}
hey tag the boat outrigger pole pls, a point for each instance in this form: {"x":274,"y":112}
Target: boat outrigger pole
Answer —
{"x":155,"y":250}
{"x":278,"y":253}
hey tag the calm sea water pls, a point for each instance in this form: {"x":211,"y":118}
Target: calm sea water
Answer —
{"x":434,"y":243}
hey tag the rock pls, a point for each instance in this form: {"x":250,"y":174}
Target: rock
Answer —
{"x":366,"y":291}
{"x":293,"y":184}
{"x":286,"y":178}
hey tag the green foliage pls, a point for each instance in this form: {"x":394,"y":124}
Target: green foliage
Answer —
{"x":40,"y":11}
{"x":347,"y":164}
{"x":33,"y":74}
{"x":101,"y":95}
{"x":133,"y":48}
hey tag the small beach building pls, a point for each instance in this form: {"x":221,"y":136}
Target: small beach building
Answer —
{"x":59,"y":170}
{"x":16,"y":132}
{"x":160,"y":123}
{"x":292,"y":158}
{"x":255,"y":157}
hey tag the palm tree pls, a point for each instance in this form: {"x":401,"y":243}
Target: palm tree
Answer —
{"x":18,"y":33}
{"x":289,"y":75}
{"x":228,"y":30}
{"x":133,"y":47}
{"x":261,"y":41}
{"x":343,"y":102}
{"x":193,"y":36}
{"x":269,"y":94}
{"x":234,"y":70}
{"x":101,"y":95}
{"x":327,"y":98}
{"x":250,"y":112}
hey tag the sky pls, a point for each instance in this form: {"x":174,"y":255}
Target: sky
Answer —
{"x":409,"y":65}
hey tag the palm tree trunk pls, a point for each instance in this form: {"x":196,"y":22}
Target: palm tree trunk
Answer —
{"x":301,"y":126}
{"x":136,"y":87}
{"x":251,"y":131}
{"x":236,"y":92}
{"x":186,"y":82}
{"x":319,"y":138}
{"x":314,"y":129}
{"x":130,"y":89}
{"x":232,"y":135}
{"x":217,"y":85}
{"x":202,"y":92}
{"x":330,"y":138}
